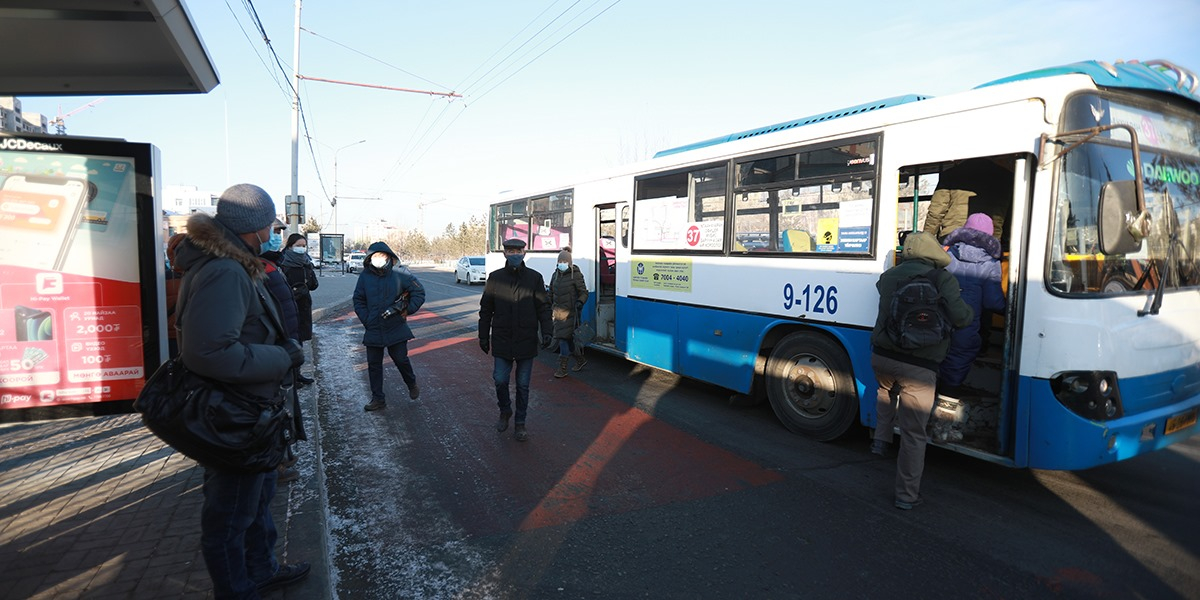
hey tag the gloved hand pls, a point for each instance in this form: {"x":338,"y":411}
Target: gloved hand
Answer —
{"x":400,"y":308}
{"x":579,"y":308}
{"x":295,"y":352}
{"x":547,"y":341}
{"x":485,"y":345}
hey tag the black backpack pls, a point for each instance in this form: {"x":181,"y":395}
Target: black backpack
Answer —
{"x":918,"y":317}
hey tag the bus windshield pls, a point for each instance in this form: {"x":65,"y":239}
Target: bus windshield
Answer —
{"x":1171,"y":174}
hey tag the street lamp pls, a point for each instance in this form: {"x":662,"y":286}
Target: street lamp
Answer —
{"x":335,"y":181}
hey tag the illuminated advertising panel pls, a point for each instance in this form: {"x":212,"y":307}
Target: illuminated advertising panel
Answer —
{"x":80,"y":270}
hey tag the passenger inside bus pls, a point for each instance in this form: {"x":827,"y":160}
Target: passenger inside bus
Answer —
{"x":982,"y":186}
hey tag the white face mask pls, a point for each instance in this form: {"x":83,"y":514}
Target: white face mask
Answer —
{"x":379,"y":261}
{"x":563,"y":266}
{"x":299,"y":249}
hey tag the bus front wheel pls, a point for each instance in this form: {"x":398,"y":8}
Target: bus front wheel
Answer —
{"x":811,"y":386}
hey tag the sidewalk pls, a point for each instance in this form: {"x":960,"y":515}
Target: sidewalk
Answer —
{"x":99,"y":508}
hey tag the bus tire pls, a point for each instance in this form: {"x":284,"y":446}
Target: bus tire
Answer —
{"x":810,"y":385}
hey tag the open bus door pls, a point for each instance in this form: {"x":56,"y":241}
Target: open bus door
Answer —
{"x":612,"y":241}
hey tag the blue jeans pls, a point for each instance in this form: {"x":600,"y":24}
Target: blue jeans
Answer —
{"x":566,"y":347}
{"x":399,"y":354}
{"x":501,"y":375}
{"x":237,"y":533}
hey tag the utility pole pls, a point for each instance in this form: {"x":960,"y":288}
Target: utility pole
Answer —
{"x":421,"y":206}
{"x":294,"y":222}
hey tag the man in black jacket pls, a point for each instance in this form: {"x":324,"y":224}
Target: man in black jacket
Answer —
{"x":513,"y":310}
{"x":229,"y":331}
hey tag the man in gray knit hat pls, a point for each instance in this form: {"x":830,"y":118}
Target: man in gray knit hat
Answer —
{"x":230,"y":331}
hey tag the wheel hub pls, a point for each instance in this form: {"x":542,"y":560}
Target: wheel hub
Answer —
{"x":810,"y":387}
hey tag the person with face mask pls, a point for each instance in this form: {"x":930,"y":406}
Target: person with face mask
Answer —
{"x":514,"y":295}
{"x":384,"y":297}
{"x":277,"y":286}
{"x":298,"y":269}
{"x":230,"y":331}
{"x":568,"y":294}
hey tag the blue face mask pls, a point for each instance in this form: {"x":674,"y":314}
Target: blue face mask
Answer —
{"x":275,"y":242}
{"x":513,"y":260}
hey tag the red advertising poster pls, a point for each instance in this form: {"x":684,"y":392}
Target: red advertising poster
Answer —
{"x":73,"y":309}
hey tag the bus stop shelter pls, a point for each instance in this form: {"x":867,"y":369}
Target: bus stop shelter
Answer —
{"x":101,"y":47}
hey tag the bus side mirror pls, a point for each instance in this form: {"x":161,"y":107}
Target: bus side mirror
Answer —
{"x":1121,"y":228}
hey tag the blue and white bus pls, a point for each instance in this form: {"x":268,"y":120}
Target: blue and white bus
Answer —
{"x":749,"y":260}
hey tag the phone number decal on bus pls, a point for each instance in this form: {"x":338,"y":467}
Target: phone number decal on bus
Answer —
{"x":817,"y":299}
{"x":674,"y":275}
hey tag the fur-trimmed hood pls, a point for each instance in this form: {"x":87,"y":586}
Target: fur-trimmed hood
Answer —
{"x":978,"y":245}
{"x":207,"y":237}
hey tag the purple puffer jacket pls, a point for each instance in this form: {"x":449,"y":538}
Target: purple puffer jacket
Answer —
{"x":975,"y":262}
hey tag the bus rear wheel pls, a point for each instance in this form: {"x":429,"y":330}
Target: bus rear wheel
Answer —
{"x":811,"y":386}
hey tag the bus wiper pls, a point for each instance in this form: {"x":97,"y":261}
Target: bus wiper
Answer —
{"x":1162,"y":266}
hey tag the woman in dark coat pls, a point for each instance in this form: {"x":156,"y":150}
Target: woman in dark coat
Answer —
{"x":386,"y":294}
{"x":568,"y":294}
{"x":297,"y":268}
{"x":975,"y":262}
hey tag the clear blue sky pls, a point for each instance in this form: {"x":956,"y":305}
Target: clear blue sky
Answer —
{"x":642,"y":76}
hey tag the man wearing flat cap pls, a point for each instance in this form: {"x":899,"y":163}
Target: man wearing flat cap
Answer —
{"x":514,"y":315}
{"x":230,"y":331}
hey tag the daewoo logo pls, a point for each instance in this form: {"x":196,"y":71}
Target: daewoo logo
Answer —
{"x":20,"y":144}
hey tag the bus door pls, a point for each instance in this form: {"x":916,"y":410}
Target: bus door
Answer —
{"x":609,"y":238}
{"x":973,"y":414}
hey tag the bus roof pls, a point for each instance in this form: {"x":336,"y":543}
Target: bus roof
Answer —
{"x":1157,"y":75}
{"x":836,"y":114}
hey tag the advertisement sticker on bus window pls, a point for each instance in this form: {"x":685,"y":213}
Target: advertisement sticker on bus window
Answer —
{"x":855,"y":213}
{"x":673,"y":275}
{"x":703,"y":235}
{"x":854,"y":239}
{"x":827,"y":234}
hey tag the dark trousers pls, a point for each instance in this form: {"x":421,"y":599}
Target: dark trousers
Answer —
{"x":399,"y":354}
{"x":237,"y":533}
{"x":502,"y":374}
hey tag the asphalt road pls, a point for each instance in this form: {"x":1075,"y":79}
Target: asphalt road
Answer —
{"x":635,"y":483}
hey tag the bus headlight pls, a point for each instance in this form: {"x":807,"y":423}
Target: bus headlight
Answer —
{"x":1090,"y":394}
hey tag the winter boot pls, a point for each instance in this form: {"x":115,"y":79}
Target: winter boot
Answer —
{"x":580,"y":360}
{"x":562,"y":366}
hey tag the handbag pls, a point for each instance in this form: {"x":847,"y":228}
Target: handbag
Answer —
{"x":584,"y":334}
{"x":212,"y":422}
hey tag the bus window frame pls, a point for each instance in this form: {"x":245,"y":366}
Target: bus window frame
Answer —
{"x":532,"y":218}
{"x":725,"y":210}
{"x":637,"y":182}
{"x":871,"y":175}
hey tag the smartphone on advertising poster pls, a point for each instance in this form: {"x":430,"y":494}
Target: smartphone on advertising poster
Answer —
{"x":39,"y":215}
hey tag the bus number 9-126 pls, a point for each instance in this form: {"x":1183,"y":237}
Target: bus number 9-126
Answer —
{"x":818,"y":299}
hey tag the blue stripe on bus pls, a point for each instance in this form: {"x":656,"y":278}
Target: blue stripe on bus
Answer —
{"x":721,"y":346}
{"x":1060,"y":439}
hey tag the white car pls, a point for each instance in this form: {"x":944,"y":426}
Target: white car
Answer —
{"x":354,"y":262}
{"x":470,"y":269}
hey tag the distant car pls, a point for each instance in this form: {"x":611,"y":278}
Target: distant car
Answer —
{"x":354,"y":262}
{"x":470,"y":269}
